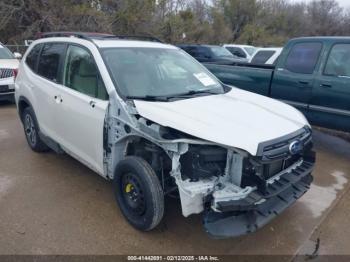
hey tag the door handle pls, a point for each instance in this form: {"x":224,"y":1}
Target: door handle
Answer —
{"x":92,"y":103}
{"x":303,"y":82}
{"x":58,"y":99}
{"x":326,"y":85}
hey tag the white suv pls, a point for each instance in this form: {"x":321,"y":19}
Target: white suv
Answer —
{"x":155,"y":121}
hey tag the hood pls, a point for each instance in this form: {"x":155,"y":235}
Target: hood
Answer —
{"x":236,"y":119}
{"x":9,"y":63}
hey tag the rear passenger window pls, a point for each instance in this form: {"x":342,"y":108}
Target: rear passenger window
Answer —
{"x":32,"y":57}
{"x":81,"y":73}
{"x":338,"y":63}
{"x":49,"y":61}
{"x":261,"y":57}
{"x":303,"y":58}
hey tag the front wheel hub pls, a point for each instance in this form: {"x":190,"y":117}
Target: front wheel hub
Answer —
{"x":133,"y":194}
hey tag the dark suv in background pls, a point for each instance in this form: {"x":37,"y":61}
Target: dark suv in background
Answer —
{"x":211,"y":53}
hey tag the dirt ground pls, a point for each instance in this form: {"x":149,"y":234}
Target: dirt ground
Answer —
{"x":52,"y":204}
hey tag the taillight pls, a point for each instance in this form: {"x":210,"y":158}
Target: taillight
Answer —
{"x":15,"y":73}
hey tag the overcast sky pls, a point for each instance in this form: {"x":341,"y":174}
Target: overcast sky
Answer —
{"x":342,"y":3}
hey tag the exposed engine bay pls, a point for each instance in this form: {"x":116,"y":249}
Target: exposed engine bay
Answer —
{"x":228,"y":185}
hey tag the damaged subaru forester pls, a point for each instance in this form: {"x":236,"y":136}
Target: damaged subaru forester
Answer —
{"x":152,"y":119}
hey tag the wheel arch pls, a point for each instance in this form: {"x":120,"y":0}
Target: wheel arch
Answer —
{"x":139,"y":146}
{"x":23,"y":103}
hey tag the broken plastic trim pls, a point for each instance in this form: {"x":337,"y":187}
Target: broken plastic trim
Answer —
{"x":254,"y":212}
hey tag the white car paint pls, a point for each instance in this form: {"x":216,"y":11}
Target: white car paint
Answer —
{"x":128,"y":43}
{"x":84,"y":139}
{"x":237,"y":119}
{"x":9,"y":63}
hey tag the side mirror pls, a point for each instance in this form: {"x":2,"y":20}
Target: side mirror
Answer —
{"x":17,"y":55}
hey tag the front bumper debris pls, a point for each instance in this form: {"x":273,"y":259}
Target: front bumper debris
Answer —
{"x":247,"y":215}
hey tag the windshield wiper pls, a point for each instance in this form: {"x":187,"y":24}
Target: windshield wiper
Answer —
{"x":196,"y":92}
{"x":149,"y":98}
{"x":165,"y":98}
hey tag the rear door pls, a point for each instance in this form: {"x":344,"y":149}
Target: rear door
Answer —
{"x":81,"y":108}
{"x":45,"y":83}
{"x":330,"y":103}
{"x":294,"y":75}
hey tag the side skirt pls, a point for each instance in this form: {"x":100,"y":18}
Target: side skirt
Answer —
{"x":51,"y":143}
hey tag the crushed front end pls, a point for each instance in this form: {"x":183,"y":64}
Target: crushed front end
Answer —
{"x":239,"y":193}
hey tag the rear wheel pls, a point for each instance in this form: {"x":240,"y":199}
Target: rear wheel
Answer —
{"x":138,"y":193}
{"x":32,"y":132}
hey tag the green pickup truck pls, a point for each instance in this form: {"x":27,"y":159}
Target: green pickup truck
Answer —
{"x":311,"y":74}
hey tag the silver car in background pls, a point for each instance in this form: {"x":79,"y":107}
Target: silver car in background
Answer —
{"x":8,"y":71}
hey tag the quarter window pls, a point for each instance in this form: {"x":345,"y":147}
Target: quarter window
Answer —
{"x":32,"y":57}
{"x":49,"y":62}
{"x":303,"y":58}
{"x":338,"y":63}
{"x":81,"y":74}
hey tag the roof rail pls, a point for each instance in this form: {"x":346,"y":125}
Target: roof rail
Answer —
{"x":134,"y":37}
{"x":91,"y":35}
{"x":83,"y":35}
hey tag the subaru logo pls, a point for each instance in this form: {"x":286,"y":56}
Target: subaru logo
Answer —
{"x":295,"y":147}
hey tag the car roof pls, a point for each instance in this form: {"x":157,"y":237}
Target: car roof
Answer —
{"x":106,"y":43}
{"x":102,"y":40}
{"x":131,"y":43}
{"x":71,"y":33}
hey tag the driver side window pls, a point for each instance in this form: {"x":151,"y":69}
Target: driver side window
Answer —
{"x":81,"y":73}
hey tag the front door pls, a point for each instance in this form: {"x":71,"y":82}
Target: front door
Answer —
{"x":330,"y":103}
{"x":294,"y":76}
{"x":82,"y":104}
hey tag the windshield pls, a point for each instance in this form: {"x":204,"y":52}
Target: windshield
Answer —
{"x":5,"y":53}
{"x":220,"y":51}
{"x":141,"y":72}
{"x":250,"y":50}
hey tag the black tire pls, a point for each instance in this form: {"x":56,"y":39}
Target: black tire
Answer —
{"x":138,"y":193}
{"x":31,"y":131}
